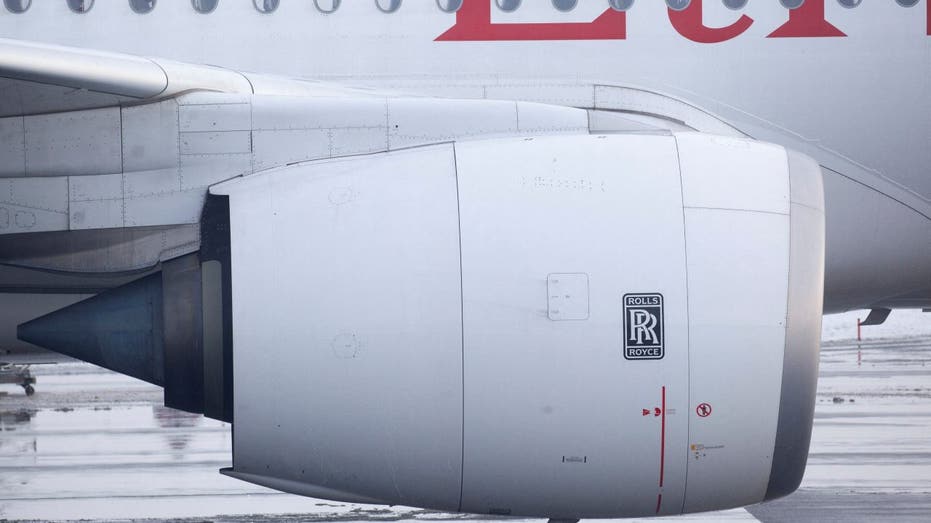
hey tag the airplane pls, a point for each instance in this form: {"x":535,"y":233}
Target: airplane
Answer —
{"x":560,"y":259}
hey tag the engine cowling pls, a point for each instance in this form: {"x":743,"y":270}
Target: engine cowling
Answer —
{"x":568,"y":327}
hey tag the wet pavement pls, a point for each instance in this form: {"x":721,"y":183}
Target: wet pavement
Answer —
{"x":91,"y":444}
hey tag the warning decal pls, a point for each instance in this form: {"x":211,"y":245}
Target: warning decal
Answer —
{"x":643,"y":326}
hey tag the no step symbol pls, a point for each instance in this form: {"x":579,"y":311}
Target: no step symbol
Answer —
{"x":703,"y":410}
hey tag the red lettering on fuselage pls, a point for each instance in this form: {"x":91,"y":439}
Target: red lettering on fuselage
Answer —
{"x":807,"y":21}
{"x":690,"y":24}
{"x":473,"y":23}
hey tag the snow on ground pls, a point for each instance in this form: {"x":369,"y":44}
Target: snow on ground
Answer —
{"x":899,"y":324}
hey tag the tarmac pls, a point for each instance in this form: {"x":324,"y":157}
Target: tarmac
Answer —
{"x":94,"y":445}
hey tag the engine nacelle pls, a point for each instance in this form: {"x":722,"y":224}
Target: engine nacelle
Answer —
{"x":570,"y":327}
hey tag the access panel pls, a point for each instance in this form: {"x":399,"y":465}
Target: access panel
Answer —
{"x":572,"y":255}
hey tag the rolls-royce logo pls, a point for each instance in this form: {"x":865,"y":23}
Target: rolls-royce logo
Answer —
{"x":643,"y":326}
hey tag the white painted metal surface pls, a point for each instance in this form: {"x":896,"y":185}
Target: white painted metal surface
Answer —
{"x":553,"y":411}
{"x":79,"y":142}
{"x":12,"y":147}
{"x":364,"y":368}
{"x":33,"y":204}
{"x":490,"y":341}
{"x":150,"y":165}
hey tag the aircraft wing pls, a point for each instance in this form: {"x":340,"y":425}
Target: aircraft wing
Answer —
{"x":38,"y":78}
{"x":90,"y":140}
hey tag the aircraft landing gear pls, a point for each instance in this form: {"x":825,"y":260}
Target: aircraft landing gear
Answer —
{"x":18,"y":375}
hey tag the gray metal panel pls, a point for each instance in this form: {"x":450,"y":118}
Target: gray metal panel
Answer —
{"x":551,"y":92}
{"x":50,"y":194}
{"x":97,"y":187}
{"x":12,"y":146}
{"x":220,"y":142}
{"x":80,"y":142}
{"x":615,"y":122}
{"x":171,"y":208}
{"x":292,"y":129}
{"x":215,"y":138}
{"x":33,"y":204}
{"x":97,"y":214}
{"x":16,"y":219}
{"x":358,"y":141}
{"x":95,"y":202}
{"x":98,"y":251}
{"x":535,"y":119}
{"x":215,"y":117}
{"x":150,"y":136}
{"x":282,"y":146}
{"x":415,"y":122}
{"x":283,"y":112}
{"x":139,"y":184}
{"x":200,"y":171}
{"x":18,"y":280}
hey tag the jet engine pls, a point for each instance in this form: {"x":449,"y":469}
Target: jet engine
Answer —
{"x":566,"y":326}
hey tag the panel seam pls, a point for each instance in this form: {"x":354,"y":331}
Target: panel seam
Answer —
{"x":461,"y":328}
{"x":688,"y":323}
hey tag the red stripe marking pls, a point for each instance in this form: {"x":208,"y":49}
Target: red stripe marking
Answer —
{"x":662,"y":453}
{"x":662,"y":447}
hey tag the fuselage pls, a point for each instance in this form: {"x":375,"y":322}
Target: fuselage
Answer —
{"x":855,"y":80}
{"x":846,"y":85}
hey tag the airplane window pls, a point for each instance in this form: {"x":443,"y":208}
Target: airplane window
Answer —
{"x":265,"y":6}
{"x":621,"y":5}
{"x":565,"y":5}
{"x":849,"y":4}
{"x":388,"y":6}
{"x":735,"y":4}
{"x":205,"y":6}
{"x":791,"y":4}
{"x":449,"y":6}
{"x":678,"y":5}
{"x":327,"y":6}
{"x":17,"y":6}
{"x":142,"y":6}
{"x":903,"y":3}
{"x":508,"y":5}
{"x":80,"y":6}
